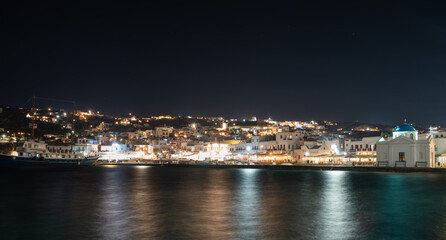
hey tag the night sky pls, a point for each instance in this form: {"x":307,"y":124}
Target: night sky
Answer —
{"x":355,"y":60}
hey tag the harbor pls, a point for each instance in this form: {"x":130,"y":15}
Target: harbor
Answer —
{"x":290,"y":167}
{"x":223,"y":120}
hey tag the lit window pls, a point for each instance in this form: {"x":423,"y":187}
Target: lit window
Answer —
{"x":401,"y":156}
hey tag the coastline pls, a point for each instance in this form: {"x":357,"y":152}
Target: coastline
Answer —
{"x":294,"y":167}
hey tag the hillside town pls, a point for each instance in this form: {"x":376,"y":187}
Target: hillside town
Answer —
{"x":220,"y":140}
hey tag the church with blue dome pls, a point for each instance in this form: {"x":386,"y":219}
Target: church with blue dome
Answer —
{"x":405,"y":149}
{"x":405,"y":130}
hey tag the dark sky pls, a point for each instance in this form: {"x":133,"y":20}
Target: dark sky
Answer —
{"x":355,"y":60}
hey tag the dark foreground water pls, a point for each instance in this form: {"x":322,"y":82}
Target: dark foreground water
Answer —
{"x":185,"y":203}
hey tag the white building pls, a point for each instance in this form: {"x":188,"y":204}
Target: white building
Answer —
{"x":144,"y":148}
{"x":362,"y":150}
{"x":87,"y":146}
{"x":405,"y":149}
{"x":288,"y":141}
{"x":327,"y":152}
{"x":115,"y":147}
{"x":210,"y":151}
{"x":440,"y":147}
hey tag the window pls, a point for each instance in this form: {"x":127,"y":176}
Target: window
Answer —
{"x":411,"y":136}
{"x":401,"y":157}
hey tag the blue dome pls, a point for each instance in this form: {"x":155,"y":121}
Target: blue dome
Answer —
{"x":405,"y":128}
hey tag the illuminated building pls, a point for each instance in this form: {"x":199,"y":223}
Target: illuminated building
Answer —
{"x":363,"y":150}
{"x":163,"y":132}
{"x":405,"y":149}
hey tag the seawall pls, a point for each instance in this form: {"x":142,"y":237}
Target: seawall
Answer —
{"x":296,"y":167}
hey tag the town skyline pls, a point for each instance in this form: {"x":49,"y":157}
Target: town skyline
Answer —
{"x":132,"y":139}
{"x":223,"y":119}
{"x":236,"y":118}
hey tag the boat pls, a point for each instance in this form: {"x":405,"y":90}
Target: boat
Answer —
{"x":37,"y":153}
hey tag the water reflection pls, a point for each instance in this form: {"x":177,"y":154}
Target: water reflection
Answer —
{"x":170,"y":203}
{"x":113,"y":208}
{"x":248,"y":205}
{"x":211,"y":216}
{"x":144,"y":222}
{"x":335,"y":213}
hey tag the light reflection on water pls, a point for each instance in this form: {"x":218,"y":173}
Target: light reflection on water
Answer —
{"x":113,"y":211}
{"x":183,"y":203}
{"x":248,"y":205}
{"x":336,"y":208}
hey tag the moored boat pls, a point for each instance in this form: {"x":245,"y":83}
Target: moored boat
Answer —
{"x":38,"y":153}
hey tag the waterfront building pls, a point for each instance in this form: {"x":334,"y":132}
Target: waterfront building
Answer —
{"x":288,"y":141}
{"x":217,"y":151}
{"x":440,"y":147}
{"x":324,"y":153}
{"x":298,"y":155}
{"x":272,"y":157}
{"x":144,"y":151}
{"x":205,"y":151}
{"x":144,"y":148}
{"x":363,"y":150}
{"x":114,"y":147}
{"x":87,"y":146}
{"x":405,"y":149}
